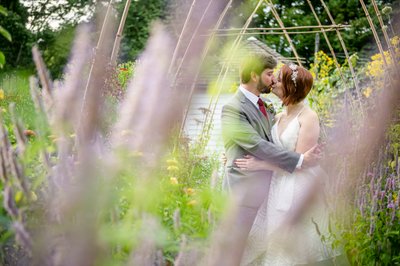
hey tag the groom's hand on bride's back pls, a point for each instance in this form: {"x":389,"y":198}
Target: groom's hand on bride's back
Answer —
{"x":313,"y":156}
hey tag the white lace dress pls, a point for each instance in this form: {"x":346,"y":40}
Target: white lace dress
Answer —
{"x":271,"y":240}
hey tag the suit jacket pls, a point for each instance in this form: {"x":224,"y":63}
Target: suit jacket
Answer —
{"x":246,"y":131}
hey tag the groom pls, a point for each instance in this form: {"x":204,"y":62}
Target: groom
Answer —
{"x":246,"y":130}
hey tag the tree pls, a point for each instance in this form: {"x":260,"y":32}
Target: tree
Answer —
{"x":52,"y":14}
{"x":141,"y":14}
{"x":17,"y":52}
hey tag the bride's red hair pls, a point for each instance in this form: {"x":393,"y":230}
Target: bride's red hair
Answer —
{"x":293,"y":94}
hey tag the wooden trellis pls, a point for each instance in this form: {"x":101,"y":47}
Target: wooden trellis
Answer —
{"x":287,"y":31}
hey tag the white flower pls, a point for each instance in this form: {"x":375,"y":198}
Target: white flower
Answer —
{"x":293,"y":67}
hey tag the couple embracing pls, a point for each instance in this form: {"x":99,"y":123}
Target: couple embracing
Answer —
{"x":271,"y":168}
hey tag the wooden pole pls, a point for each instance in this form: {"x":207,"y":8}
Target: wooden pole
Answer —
{"x":90,"y":75}
{"x":332,"y":52}
{"x":205,"y":52}
{"x":190,"y":42}
{"x":277,"y":17}
{"x":339,"y":26}
{"x":118,"y":37}
{"x":328,"y":42}
{"x":181,"y":36}
{"x":276,"y":33}
{"x":385,"y":34}
{"x":371,"y":24}
{"x":353,"y":74}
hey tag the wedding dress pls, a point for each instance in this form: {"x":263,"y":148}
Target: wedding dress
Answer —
{"x":272,"y":241}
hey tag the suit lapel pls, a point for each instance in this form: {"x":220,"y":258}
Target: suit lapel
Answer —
{"x":249,"y":107}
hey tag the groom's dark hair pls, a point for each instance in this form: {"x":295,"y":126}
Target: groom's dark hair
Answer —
{"x":257,"y":63}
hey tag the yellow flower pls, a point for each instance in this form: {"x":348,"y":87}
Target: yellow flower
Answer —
{"x":1,"y":94}
{"x":189,"y":191}
{"x":172,"y":162}
{"x":191,"y":203}
{"x":173,"y":180}
{"x":395,"y":40}
{"x":18,"y":196}
{"x":33,"y":196}
{"x":367,"y":92}
{"x":173,"y":168}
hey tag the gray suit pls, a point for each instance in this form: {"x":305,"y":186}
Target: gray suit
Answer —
{"x":246,"y":131}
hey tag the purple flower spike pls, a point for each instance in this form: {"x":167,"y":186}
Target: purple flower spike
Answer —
{"x":390,"y":205}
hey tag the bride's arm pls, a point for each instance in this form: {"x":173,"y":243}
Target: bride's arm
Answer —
{"x":309,"y":131}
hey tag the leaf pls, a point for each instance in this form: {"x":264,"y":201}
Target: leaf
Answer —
{"x":2,"y":59}
{"x":5,"y":33}
{"x":3,"y":11}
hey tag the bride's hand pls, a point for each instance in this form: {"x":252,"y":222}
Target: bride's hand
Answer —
{"x":251,"y":163}
{"x":313,"y":156}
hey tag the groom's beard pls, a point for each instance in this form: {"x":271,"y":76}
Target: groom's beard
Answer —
{"x":262,"y":88}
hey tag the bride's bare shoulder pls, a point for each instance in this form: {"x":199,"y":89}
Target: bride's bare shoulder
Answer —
{"x":309,"y":115}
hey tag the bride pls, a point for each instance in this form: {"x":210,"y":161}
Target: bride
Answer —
{"x":291,"y":226}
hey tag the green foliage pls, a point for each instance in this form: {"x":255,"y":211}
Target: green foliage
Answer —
{"x":18,"y":51}
{"x":125,"y":72}
{"x":55,"y":47}
{"x":191,"y":205}
{"x":2,"y":59}
{"x":140,"y":17}
{"x":372,"y":235}
{"x":43,"y":14}
{"x":178,"y":194}
{"x":329,"y":88}
{"x":14,"y":87}
{"x":5,"y":34}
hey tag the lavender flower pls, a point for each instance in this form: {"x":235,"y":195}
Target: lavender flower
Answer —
{"x":391,"y":205}
{"x":22,"y":236}
{"x":9,"y":203}
{"x":382,"y":194}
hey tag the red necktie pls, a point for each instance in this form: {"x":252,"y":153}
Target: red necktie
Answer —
{"x":262,"y":107}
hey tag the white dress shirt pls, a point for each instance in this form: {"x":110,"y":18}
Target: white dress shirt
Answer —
{"x":254,"y":99}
